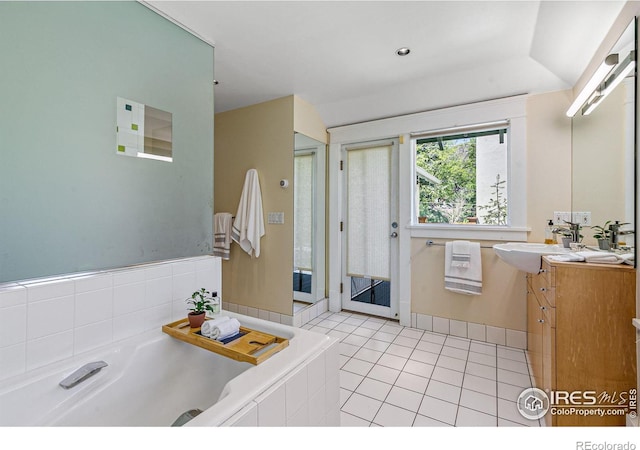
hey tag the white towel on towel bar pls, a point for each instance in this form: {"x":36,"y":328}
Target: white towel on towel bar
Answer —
{"x":460,"y":254}
{"x":463,"y":280}
{"x":248,"y":227}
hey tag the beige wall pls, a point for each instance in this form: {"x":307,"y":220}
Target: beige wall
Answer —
{"x":548,"y":159}
{"x":502,"y":303}
{"x":261,"y":137}
{"x":503,"y":299}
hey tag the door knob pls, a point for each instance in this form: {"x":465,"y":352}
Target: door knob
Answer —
{"x":394,"y":234}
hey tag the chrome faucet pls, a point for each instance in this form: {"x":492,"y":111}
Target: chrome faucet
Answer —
{"x":615,"y":232}
{"x":573,"y":230}
{"x":84,"y":372}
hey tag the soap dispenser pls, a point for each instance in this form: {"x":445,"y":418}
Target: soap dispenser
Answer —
{"x":549,"y":237}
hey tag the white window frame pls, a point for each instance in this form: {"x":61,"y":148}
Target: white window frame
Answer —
{"x":512,"y":109}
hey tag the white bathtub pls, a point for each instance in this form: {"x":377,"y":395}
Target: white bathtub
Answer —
{"x":152,"y":379}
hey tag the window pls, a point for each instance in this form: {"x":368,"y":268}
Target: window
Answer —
{"x":462,"y":175}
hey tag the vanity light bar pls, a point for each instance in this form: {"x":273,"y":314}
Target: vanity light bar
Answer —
{"x":605,"y":69}
{"x":621,"y":72}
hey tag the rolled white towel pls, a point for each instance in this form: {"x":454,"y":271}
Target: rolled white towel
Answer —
{"x":207,"y":327}
{"x":225,"y":329}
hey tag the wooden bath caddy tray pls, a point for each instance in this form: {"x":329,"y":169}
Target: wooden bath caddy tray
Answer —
{"x":252,"y":347}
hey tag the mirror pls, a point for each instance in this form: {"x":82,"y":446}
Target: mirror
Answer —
{"x":309,"y":220}
{"x":143,"y":131}
{"x":603,"y":153}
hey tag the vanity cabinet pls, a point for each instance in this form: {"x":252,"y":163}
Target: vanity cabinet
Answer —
{"x":579,"y":333}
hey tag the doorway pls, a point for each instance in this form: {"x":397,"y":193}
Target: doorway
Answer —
{"x":370,"y":228}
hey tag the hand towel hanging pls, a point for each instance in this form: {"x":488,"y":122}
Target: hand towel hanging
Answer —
{"x":463,"y":280}
{"x":222,"y":235}
{"x":248,"y":227}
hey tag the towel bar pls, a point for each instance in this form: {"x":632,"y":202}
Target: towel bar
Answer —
{"x":439,"y":244}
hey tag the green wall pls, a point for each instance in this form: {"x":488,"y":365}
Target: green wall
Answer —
{"x":68,"y":202}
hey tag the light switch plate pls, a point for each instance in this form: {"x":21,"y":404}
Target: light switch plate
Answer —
{"x":275,"y":217}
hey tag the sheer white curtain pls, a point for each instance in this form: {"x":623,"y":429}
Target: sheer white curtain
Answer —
{"x":303,"y":211}
{"x":368,"y":206}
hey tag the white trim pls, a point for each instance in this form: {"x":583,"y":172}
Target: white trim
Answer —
{"x":512,"y":109}
{"x":175,"y":22}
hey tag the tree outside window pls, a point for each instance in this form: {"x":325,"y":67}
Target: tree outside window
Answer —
{"x":461,"y":178}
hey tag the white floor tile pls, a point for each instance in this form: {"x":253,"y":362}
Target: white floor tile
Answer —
{"x":374,"y":344}
{"x":481,"y":370}
{"x":438,"y":409}
{"x":424,"y":357}
{"x":514,"y":366}
{"x":423,"y":421}
{"x":419,"y":368}
{"x":431,"y":347}
{"x":515,"y":378}
{"x":392,"y":375}
{"x":358,"y":366}
{"x":484,"y":348}
{"x":350,"y":381}
{"x":471,"y":418}
{"x":399,"y":350}
{"x":457,"y":342}
{"x":447,"y":376}
{"x":451,"y":363}
{"x":406,"y":341}
{"x":348,"y":349}
{"x":443,"y":391}
{"x":479,"y":384}
{"x":374,"y":389}
{"x":368,"y":355}
{"x":348,"y":420}
{"x":412,"y":382}
{"x":362,"y":406}
{"x":354,"y":339}
{"x":383,"y":336}
{"x":481,"y":358}
{"x":404,"y":398}
{"x":393,"y":361}
{"x":510,"y":353}
{"x":413,"y":333}
{"x":436,"y":338}
{"x":479,"y":402}
{"x":393,"y":416}
{"x":455,"y":352}
{"x":364,"y":331}
{"x":385,"y":374}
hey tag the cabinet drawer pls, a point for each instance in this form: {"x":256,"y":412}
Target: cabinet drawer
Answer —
{"x":549,"y":273}
{"x":548,"y":315}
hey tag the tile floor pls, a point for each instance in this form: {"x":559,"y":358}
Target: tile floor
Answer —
{"x":392,"y":375}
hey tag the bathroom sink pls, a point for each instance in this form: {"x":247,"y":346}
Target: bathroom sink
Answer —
{"x":527,"y":256}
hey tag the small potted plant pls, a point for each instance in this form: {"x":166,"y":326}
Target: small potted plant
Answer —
{"x":199,"y":303}
{"x":602,"y":234}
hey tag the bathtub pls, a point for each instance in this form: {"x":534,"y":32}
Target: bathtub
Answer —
{"x":151,"y":379}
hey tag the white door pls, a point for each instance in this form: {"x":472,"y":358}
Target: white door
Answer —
{"x":370,"y":228}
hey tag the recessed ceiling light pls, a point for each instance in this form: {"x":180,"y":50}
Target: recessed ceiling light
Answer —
{"x":403,"y":51}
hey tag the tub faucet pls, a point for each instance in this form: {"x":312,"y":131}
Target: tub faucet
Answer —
{"x":84,"y":372}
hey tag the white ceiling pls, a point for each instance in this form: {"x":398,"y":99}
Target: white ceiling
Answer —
{"x":340,"y":56}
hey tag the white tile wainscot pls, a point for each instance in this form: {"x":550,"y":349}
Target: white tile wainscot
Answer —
{"x":470,"y":330}
{"x":46,"y":320}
